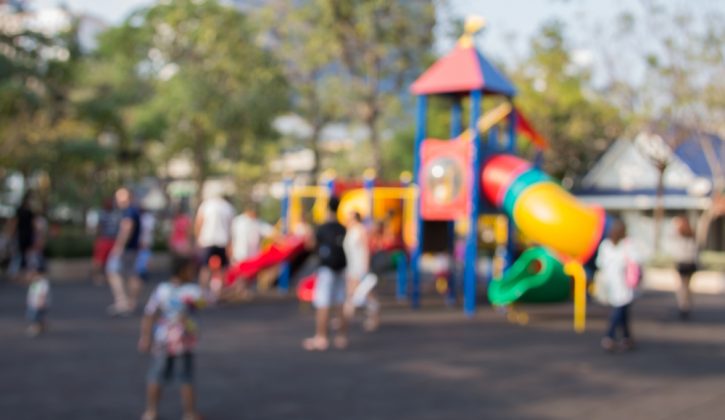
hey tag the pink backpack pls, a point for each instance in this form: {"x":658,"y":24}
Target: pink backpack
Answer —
{"x":633,"y":274}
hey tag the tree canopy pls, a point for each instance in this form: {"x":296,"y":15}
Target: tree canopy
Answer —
{"x":205,"y":80}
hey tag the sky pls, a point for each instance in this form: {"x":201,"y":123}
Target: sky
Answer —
{"x":112,"y":11}
{"x":511,"y":23}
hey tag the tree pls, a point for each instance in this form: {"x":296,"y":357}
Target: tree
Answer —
{"x":309,"y":61}
{"x":213,"y":90}
{"x":382,"y":46}
{"x":38,"y":74}
{"x":556,"y":94}
{"x":657,"y":145}
{"x":682,"y":93}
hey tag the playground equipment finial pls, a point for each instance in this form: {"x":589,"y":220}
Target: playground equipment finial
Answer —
{"x":472,"y":26}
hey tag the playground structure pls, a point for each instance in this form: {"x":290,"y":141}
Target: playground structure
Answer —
{"x":452,"y":174}
{"x":458,"y":183}
{"x":373,"y":199}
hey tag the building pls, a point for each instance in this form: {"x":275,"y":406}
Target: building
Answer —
{"x":624,"y":182}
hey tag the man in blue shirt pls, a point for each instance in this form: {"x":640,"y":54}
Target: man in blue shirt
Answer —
{"x":122,"y":260}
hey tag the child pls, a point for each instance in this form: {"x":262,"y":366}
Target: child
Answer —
{"x":684,"y":250}
{"x":169,"y":315}
{"x":330,"y":285}
{"x":38,"y":300}
{"x":617,"y":261}
{"x":360,"y":281}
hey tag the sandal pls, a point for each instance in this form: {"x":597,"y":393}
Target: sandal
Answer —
{"x":316,"y":344}
{"x":149,"y":415}
{"x":341,"y":342}
{"x":608,"y":344}
{"x":116,"y":311}
{"x":627,"y":345}
{"x":371,"y":325}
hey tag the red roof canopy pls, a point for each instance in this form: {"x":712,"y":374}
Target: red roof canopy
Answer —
{"x":462,"y":70}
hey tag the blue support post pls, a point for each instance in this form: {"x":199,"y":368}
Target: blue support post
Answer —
{"x":401,"y":265}
{"x":456,"y":130}
{"x":469,"y":276}
{"x":401,"y":289}
{"x":511,"y":148}
{"x":420,"y":133}
{"x":501,"y":250}
{"x":511,"y":145}
{"x":492,"y":144}
{"x":538,"y":159}
{"x":284,"y":277}
{"x":330,"y":184}
{"x":368,"y":185}
{"x":456,"y":117}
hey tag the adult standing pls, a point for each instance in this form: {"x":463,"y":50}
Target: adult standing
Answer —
{"x":180,"y":239}
{"x":684,"y":250}
{"x":22,"y":230}
{"x":330,"y":284}
{"x":247,"y":235}
{"x":106,"y":231}
{"x":146,"y":242}
{"x":212,"y":228}
{"x":123,"y":256}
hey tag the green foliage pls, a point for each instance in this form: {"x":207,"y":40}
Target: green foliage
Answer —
{"x":70,"y":244}
{"x":191,"y":75}
{"x":556,"y":96}
{"x":398,"y":151}
{"x":382,"y":45}
{"x":309,"y":63}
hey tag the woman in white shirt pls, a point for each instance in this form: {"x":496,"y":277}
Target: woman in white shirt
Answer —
{"x":615,"y":255}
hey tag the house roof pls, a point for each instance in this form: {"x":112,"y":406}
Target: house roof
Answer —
{"x":624,"y":170}
{"x":693,"y":153}
{"x":644,"y":201}
{"x":462,"y":70}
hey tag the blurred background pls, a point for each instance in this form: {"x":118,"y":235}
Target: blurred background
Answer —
{"x":171,"y":96}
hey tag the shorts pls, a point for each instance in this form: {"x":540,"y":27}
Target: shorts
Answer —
{"x":329,"y":288}
{"x":102,"y":249}
{"x":32,"y":260}
{"x":124,"y":265}
{"x":27,"y":255}
{"x":215,"y":251}
{"x":142,"y":263}
{"x":36,"y":315}
{"x":165,"y":368}
{"x":686,"y":269}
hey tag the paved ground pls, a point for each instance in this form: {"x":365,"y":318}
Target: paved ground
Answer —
{"x":432,"y":364}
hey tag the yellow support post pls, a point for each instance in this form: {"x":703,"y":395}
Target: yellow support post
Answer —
{"x":576,"y":271}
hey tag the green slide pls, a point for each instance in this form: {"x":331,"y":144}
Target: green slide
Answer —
{"x":537,"y":276}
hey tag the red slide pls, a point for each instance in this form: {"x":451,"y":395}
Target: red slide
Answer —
{"x":278,"y":253}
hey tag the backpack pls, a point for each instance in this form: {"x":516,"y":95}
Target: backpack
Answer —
{"x":329,"y":246}
{"x":632,"y":274}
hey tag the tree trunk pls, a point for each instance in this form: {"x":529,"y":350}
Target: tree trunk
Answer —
{"x":315,"y":147}
{"x":201,"y":171}
{"x":377,"y":153}
{"x":659,"y":210}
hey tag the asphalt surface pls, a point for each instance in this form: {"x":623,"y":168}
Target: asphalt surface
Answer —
{"x":427,"y":364}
